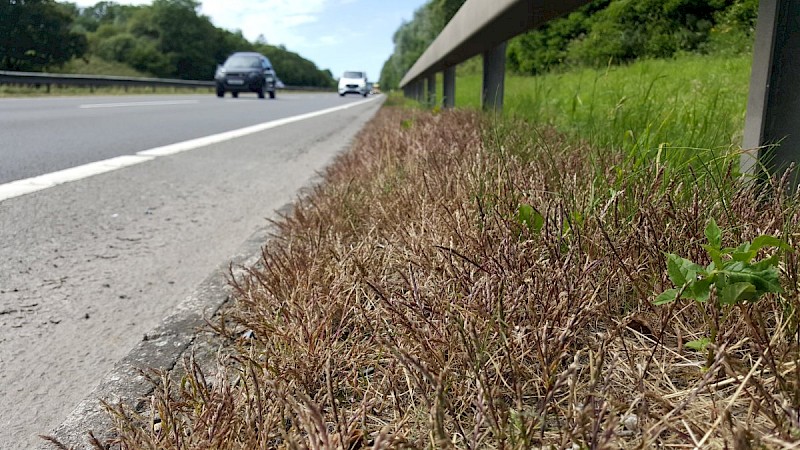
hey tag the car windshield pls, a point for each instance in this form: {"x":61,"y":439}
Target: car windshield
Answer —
{"x":353,"y":75}
{"x":242,"y":61}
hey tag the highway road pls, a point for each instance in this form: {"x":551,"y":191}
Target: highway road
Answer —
{"x":113,"y":209}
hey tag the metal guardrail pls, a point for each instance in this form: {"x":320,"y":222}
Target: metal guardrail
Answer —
{"x":484,"y":26}
{"x":480,"y":26}
{"x":773,"y":104}
{"x":50,"y":79}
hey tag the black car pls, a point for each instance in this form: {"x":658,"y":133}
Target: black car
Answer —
{"x":246,"y":72}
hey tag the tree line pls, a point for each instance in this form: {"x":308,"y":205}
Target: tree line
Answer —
{"x":600,"y":33}
{"x":166,"y":39}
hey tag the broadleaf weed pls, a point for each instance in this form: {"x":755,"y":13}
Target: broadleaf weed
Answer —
{"x":733,"y":277}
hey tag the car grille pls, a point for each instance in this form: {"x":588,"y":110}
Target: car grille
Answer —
{"x":235,"y":79}
{"x":352,"y":86}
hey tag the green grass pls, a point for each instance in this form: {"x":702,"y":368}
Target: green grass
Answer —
{"x":41,"y":91}
{"x":99,"y":66}
{"x":93,"y":66}
{"x":692,"y":102}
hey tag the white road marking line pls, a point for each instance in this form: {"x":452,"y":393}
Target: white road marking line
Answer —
{"x":29,"y":185}
{"x":130,"y":104}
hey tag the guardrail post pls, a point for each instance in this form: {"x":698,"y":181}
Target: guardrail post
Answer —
{"x":773,"y":112}
{"x":449,"y":87}
{"x":494,"y":75}
{"x":431,"y":96}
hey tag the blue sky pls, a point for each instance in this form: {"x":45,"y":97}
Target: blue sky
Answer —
{"x":335,"y":34}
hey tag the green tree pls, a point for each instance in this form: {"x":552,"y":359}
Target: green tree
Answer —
{"x":599,"y":33}
{"x":168,"y":39}
{"x":185,"y":37}
{"x":734,"y":29}
{"x":630,"y":29}
{"x":293,"y":69}
{"x":104,"y":13}
{"x":545,"y":48}
{"x":37,"y":34}
{"x":413,"y":37}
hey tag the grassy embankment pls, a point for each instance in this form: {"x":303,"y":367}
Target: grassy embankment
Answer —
{"x":462,"y":281}
{"x":92,"y":66}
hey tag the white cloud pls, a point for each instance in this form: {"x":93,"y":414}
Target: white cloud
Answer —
{"x":329,"y":40}
{"x":275,"y":19}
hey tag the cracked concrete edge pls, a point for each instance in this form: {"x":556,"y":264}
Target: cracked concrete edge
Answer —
{"x":161,"y":348}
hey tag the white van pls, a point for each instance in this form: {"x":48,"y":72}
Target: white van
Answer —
{"x":353,"y":82}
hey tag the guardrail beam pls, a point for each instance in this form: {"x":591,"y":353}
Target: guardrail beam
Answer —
{"x":480,"y":25}
{"x":494,"y":76}
{"x":773,"y":107}
{"x":93,"y":81}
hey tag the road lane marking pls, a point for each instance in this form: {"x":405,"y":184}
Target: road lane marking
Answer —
{"x":132,"y":104}
{"x":233,"y":134}
{"x":41,"y":182}
{"x":38,"y":183}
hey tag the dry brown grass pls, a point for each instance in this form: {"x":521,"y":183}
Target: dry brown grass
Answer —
{"x":404,"y":305}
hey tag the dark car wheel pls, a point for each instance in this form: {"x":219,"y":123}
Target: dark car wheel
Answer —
{"x":260,"y":92}
{"x":220,"y":92}
{"x":272,"y":94}
{"x":235,"y":94}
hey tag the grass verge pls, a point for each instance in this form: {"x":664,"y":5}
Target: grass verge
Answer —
{"x":684,"y":104}
{"x":91,"y":66}
{"x":55,"y":91}
{"x":458,"y":283}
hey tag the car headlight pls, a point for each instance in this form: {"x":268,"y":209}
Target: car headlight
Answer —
{"x":269,"y":79}
{"x":220,"y":72}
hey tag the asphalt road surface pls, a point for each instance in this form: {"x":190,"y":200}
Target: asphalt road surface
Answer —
{"x":167,"y":188}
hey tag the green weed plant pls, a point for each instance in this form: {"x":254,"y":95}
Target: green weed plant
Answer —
{"x":733,"y":277}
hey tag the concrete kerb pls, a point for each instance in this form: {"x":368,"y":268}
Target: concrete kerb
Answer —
{"x":161,"y":348}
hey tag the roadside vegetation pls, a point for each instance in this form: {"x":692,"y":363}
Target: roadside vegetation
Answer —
{"x":683,"y":105}
{"x":164,"y":39}
{"x":464,"y":281}
{"x":91,"y":66}
{"x":55,"y":90}
{"x":455,"y":283}
{"x":600,"y":34}
{"x":590,"y":270}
